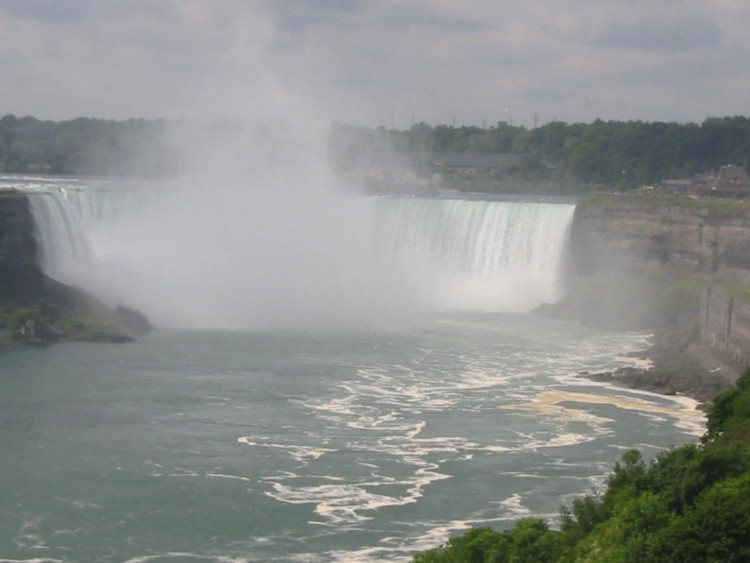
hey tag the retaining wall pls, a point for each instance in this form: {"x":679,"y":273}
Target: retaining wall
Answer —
{"x":725,"y":324}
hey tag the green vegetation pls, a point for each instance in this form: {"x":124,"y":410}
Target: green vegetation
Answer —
{"x":688,"y":504}
{"x":652,"y":200}
{"x":599,"y":155}
{"x":47,"y":322}
{"x":85,"y":146}
{"x":556,"y":158}
{"x":740,"y":291}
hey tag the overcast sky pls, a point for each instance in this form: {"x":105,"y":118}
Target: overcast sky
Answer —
{"x":377,"y":62}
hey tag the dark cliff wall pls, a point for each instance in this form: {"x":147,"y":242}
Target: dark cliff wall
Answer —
{"x":20,"y":276}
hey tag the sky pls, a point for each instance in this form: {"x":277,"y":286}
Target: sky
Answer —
{"x":377,"y":62}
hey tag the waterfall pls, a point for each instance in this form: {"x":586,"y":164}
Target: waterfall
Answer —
{"x":278,"y":262}
{"x":480,"y":255}
{"x":64,"y":246}
{"x":74,"y":222}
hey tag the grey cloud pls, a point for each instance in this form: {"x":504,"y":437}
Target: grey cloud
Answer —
{"x":46,"y":10}
{"x":364,"y":61}
{"x":654,"y":31}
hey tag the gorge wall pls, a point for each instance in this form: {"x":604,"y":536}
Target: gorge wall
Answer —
{"x":640,"y":262}
{"x":635,"y":233}
{"x":648,"y":264}
{"x":20,"y":275}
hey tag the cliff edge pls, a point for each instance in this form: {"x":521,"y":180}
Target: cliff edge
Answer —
{"x":34,"y":308}
{"x":642,"y":263}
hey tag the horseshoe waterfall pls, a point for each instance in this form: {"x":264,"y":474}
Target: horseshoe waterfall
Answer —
{"x":448,"y":254}
{"x":332,"y":378}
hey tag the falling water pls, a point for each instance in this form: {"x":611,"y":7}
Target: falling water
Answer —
{"x":480,"y":255}
{"x":75,"y":222}
{"x":444,"y":254}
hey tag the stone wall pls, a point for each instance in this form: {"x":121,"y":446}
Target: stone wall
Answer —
{"x":725,"y":324}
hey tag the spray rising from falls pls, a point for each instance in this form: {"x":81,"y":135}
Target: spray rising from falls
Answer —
{"x":280,"y":262}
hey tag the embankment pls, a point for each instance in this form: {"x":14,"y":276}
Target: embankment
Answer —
{"x":642,"y":263}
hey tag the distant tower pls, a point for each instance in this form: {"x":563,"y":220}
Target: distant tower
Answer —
{"x":536,"y":120}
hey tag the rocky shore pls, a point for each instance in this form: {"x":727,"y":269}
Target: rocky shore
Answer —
{"x":663,"y":304}
{"x":641,"y":263}
{"x":690,"y":368}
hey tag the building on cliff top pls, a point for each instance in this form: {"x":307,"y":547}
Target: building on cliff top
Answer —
{"x":727,"y":181}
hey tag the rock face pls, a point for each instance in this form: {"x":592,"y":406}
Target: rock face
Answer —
{"x":35,"y":309}
{"x":643,"y":264}
{"x":634,"y":259}
{"x":622,"y":234}
{"x":20,"y":276}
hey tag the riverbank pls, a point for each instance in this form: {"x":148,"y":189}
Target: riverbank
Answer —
{"x":665,"y":302}
{"x":678,"y":364}
{"x":641,"y":263}
{"x":53,"y":319}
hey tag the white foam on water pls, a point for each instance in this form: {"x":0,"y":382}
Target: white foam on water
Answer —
{"x":298,"y":452}
{"x":513,"y":506}
{"x":550,"y":403}
{"x":83,"y":505}
{"x":344,"y":503}
{"x":337,"y":504}
{"x":28,"y":535}
{"x":187,"y":556}
{"x":225,"y":476}
{"x":561,"y":413}
{"x":568,"y":439}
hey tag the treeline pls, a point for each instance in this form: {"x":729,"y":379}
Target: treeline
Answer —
{"x":86,"y":146}
{"x":689,"y":504}
{"x":602,"y":154}
{"x":611,"y":154}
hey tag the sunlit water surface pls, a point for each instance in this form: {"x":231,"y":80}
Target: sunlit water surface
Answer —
{"x":365,"y":445}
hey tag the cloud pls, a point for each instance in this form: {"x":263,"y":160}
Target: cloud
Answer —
{"x":45,"y":10}
{"x":656,"y":27}
{"x":376,"y":63}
